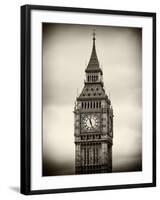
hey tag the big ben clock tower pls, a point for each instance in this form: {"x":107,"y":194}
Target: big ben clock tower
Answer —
{"x":93,"y":122}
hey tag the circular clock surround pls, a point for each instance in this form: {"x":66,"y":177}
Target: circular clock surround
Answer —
{"x":90,"y":122}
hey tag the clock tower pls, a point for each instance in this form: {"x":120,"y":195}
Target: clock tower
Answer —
{"x":93,"y":122}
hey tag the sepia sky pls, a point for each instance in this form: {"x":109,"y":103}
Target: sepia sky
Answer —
{"x":66,"y":52}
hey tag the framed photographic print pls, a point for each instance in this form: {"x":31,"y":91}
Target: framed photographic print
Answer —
{"x":88,"y":99}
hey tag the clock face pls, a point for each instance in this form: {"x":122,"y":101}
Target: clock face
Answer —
{"x":90,"y":122}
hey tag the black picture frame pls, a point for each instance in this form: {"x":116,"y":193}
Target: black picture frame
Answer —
{"x":26,"y":98}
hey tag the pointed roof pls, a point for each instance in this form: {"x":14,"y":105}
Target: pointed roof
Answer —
{"x":93,"y":65}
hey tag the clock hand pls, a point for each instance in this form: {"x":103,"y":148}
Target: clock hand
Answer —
{"x":90,"y":122}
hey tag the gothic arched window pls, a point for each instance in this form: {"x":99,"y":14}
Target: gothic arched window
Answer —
{"x":97,"y":105}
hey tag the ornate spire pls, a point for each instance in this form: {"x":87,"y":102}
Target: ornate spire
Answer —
{"x":93,"y":64}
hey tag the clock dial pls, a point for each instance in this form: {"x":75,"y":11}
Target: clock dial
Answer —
{"x":90,"y":122}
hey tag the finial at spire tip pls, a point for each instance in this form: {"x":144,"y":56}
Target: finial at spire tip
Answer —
{"x":94,"y":34}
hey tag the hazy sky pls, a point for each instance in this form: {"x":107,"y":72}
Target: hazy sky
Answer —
{"x":66,"y":52}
